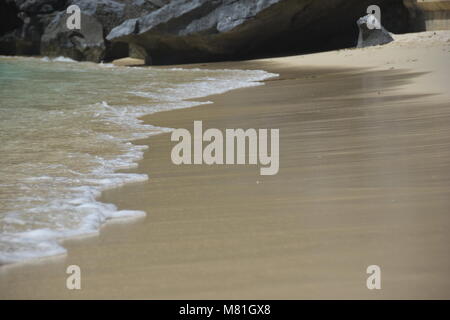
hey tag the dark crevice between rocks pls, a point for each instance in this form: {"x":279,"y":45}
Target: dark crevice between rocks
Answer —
{"x":9,"y":19}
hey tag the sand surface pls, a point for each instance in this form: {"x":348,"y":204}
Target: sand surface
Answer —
{"x":364,"y":180}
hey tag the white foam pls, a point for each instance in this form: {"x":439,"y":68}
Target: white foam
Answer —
{"x":106,"y":65}
{"x":58,"y":59}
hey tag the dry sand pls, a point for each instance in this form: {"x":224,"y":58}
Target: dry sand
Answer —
{"x":364,"y":179}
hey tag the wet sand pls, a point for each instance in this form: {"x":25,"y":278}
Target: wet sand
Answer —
{"x":364,"y":180}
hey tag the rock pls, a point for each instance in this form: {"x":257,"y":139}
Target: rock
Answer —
{"x":34,"y":15}
{"x":128,"y":62}
{"x":180,"y":31}
{"x":186,"y":31}
{"x":138,"y":52}
{"x":175,"y":33}
{"x":85,"y":44}
{"x":32,"y":34}
{"x":25,"y":40}
{"x":371,"y":32}
{"x":98,"y":18}
{"x":88,"y":43}
{"x":108,"y":12}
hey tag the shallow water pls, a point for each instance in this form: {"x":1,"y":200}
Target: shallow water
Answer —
{"x":66,"y":128}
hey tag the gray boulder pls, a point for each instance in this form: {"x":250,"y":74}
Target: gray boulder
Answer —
{"x":371,"y":32}
{"x":88,"y":43}
{"x":108,"y":12}
{"x":199,"y":30}
{"x":85,"y":44}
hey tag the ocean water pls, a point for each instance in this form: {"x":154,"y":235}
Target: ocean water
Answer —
{"x":65,"y":130}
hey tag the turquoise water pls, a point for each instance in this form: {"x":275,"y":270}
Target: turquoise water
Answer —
{"x":66,"y":128}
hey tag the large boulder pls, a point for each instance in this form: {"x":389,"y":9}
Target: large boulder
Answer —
{"x":97,"y":20}
{"x":371,"y":32}
{"x":84,"y":44}
{"x":208,"y":30}
{"x":191,"y":30}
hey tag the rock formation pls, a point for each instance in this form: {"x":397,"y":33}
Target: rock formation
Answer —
{"x":208,"y":30}
{"x":371,"y":32}
{"x":179,"y":31}
{"x":85,"y":44}
{"x":29,"y":18}
{"x":42,"y":29}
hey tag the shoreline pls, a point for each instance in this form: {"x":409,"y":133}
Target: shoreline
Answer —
{"x":186,"y":245}
{"x":232,"y":79}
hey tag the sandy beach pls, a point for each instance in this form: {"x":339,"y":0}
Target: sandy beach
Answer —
{"x":364,"y":180}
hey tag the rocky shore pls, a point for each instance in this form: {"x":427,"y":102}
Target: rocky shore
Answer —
{"x":184,"y":31}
